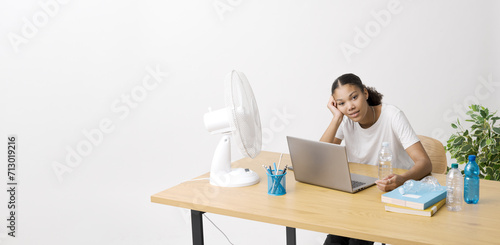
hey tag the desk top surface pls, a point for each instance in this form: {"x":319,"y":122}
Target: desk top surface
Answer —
{"x":361,"y":215}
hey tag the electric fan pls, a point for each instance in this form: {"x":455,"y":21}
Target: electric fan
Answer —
{"x":238,"y":120}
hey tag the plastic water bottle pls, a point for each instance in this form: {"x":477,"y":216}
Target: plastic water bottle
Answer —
{"x":471,"y":183}
{"x":455,"y":186}
{"x":385,"y":158}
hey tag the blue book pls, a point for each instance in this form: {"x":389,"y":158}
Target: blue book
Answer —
{"x":417,"y":201}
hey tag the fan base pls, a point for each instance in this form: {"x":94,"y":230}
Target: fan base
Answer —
{"x":238,"y":177}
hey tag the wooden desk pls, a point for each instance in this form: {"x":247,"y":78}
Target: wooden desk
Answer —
{"x":361,"y":215}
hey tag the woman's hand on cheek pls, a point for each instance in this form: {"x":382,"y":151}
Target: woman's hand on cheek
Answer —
{"x":332,"y":106}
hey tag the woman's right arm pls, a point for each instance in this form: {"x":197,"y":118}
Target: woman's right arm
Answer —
{"x":331,"y":131}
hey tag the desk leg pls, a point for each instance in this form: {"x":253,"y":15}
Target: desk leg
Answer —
{"x":197,"y":227}
{"x":291,"y":238}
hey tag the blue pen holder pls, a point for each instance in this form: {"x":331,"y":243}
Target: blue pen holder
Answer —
{"x":276,"y":184}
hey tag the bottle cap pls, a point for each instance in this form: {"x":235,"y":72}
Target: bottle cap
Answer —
{"x":472,"y":157}
{"x":385,"y":144}
{"x":454,"y":165}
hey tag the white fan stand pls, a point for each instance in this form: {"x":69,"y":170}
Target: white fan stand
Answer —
{"x":221,"y":173}
{"x":238,"y":120}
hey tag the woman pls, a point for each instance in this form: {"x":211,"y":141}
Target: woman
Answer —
{"x":360,"y":118}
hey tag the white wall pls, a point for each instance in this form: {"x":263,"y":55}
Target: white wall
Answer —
{"x":66,"y":77}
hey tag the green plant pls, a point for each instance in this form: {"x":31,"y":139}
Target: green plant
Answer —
{"x":481,"y":139}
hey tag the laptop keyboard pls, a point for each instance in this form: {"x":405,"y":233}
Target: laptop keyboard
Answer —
{"x":356,"y":183}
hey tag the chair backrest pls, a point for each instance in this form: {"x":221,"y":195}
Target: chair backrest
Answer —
{"x":436,"y":152}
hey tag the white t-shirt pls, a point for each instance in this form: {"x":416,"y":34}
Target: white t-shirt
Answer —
{"x":363,"y":145}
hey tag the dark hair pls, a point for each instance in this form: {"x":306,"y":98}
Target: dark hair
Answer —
{"x":374,"y":97}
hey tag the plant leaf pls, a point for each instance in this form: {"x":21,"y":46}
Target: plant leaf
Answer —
{"x":478,"y":132}
{"x":489,"y":170}
{"x":494,"y":119}
{"x":482,"y":143}
{"x":461,"y":159}
{"x":482,"y":162}
{"x":483,"y":113}
{"x":466,"y":148}
{"x":458,"y":141}
{"x":481,"y":138}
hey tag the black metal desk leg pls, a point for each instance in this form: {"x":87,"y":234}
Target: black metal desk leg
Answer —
{"x":291,"y":238}
{"x":197,"y":227}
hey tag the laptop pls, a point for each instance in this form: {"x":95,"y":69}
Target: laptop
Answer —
{"x":325,"y":165}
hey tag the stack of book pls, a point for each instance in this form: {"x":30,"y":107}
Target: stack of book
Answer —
{"x":426,"y":204}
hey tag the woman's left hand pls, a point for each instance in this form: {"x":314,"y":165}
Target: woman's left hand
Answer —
{"x":390,"y":182}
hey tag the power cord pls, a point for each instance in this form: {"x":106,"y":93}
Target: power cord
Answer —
{"x":218,"y":228}
{"x":195,"y":180}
